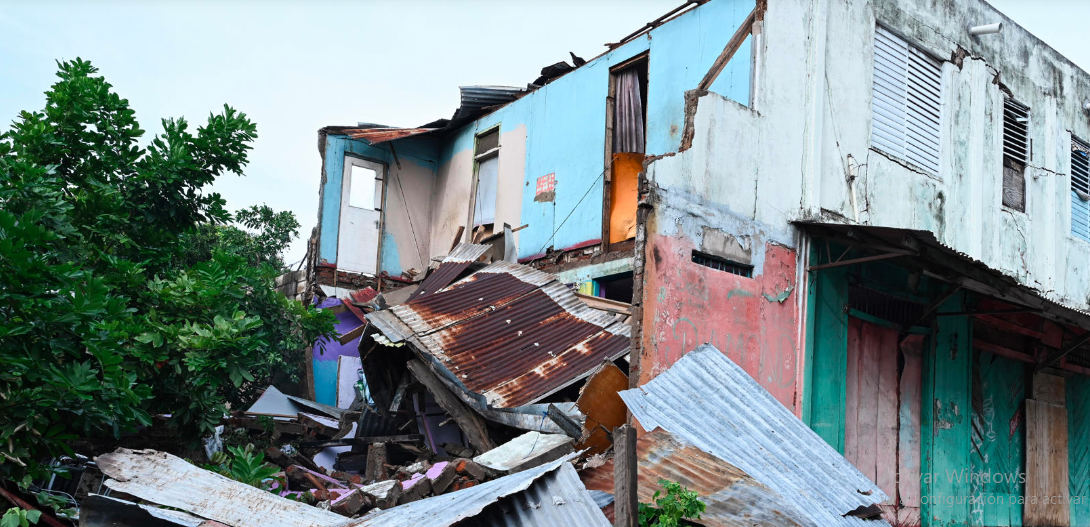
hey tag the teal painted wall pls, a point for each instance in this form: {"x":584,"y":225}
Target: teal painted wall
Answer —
{"x":1078,"y":447}
{"x":998,"y":440}
{"x":945,"y":420}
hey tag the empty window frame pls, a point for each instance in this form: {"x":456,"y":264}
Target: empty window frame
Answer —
{"x":1080,"y":189}
{"x":364,"y":187}
{"x":626,"y":135}
{"x":487,"y":158}
{"x":906,"y":104}
{"x":1016,"y":152}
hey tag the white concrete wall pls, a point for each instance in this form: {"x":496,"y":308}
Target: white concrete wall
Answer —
{"x":786,"y":158}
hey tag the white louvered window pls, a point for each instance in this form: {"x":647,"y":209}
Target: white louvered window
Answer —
{"x":906,"y":106}
{"x":1016,"y":151}
{"x":1080,"y":189}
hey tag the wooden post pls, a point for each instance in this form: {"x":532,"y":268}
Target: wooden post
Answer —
{"x":627,"y":508}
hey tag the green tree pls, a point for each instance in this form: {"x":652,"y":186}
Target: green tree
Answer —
{"x":107,"y":314}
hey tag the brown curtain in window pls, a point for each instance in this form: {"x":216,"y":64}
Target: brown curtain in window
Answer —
{"x":628,"y":113}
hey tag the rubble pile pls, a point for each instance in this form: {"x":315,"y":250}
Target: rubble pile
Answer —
{"x":488,"y":394}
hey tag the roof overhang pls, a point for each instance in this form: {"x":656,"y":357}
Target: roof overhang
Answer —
{"x":921,"y":250}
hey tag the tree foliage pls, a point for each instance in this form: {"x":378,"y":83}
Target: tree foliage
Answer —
{"x":677,"y":505}
{"x":109,"y":310}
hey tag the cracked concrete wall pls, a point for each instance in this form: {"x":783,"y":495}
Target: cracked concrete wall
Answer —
{"x":786,"y":156}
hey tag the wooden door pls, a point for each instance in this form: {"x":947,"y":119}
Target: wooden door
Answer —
{"x":882,"y":416}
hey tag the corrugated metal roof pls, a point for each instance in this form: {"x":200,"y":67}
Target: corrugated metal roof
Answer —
{"x":710,"y":402}
{"x":733,"y":498}
{"x":477,"y":99}
{"x":537,"y":485}
{"x":453,"y":265}
{"x":938,"y":253}
{"x":508,"y":332}
{"x":382,"y":135}
{"x":557,"y":499}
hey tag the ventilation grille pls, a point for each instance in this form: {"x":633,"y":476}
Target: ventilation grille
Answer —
{"x":722,"y":264}
{"x":1016,"y":149}
{"x":884,"y":306}
{"x":1080,"y":189}
{"x":906,"y":106}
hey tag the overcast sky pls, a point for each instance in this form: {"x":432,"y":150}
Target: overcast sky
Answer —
{"x":294,"y":67}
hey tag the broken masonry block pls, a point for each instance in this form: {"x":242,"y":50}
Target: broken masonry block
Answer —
{"x":441,"y":475}
{"x":384,"y":493}
{"x":414,"y":489}
{"x":350,"y":503}
{"x":376,"y":463}
{"x":466,"y":467}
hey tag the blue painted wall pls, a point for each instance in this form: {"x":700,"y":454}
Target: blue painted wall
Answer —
{"x":418,"y":152}
{"x":565,"y":127}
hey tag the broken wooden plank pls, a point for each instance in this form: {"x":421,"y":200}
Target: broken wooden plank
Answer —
{"x":1047,"y":491}
{"x":399,"y":393}
{"x":168,"y":480}
{"x":352,"y":334}
{"x":472,"y":425}
{"x":728,"y":52}
{"x":363,"y":441}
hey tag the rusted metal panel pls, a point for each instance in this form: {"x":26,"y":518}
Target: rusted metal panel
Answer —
{"x":509,"y":333}
{"x":598,"y":400}
{"x":711,"y":403}
{"x":453,"y":265}
{"x":168,"y":480}
{"x":382,"y":135}
{"x":733,"y":498}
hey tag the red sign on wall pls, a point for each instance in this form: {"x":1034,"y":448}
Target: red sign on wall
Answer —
{"x":546,"y":183}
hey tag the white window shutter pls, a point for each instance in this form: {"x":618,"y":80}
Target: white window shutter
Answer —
{"x":1080,"y":189}
{"x":906,"y":103}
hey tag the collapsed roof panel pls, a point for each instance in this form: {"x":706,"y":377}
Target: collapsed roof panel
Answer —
{"x":711,"y":403}
{"x":508,"y":333}
{"x":168,"y":480}
{"x":733,"y":498}
{"x":450,"y":268}
{"x":558,"y":478}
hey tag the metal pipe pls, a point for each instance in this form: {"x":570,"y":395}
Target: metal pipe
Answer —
{"x":986,"y":29}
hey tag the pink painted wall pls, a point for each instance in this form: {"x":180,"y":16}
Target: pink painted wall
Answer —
{"x":687,"y":304}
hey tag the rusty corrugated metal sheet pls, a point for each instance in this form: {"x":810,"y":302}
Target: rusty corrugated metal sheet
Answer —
{"x":733,"y":498}
{"x":382,"y":135}
{"x":509,"y":333}
{"x":453,"y":265}
{"x":711,"y":403}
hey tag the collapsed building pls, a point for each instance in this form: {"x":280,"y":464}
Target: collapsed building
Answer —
{"x":830,"y":258}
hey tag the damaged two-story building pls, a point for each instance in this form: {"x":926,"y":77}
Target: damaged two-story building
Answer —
{"x":880,"y":210}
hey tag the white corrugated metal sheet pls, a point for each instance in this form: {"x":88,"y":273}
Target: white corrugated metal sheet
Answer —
{"x":544,"y":496}
{"x":713,"y":404}
{"x":906,"y":105}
